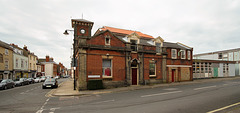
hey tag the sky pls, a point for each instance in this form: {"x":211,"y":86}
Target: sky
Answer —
{"x":205,"y":25}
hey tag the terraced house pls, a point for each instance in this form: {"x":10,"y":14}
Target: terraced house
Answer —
{"x":121,"y":57}
{"x":6,"y":61}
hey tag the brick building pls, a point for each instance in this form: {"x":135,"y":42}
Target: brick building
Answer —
{"x":122,"y":57}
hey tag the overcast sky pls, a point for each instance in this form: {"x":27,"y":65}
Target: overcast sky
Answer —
{"x":205,"y":25}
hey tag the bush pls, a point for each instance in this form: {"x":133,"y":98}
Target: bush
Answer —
{"x":94,"y":84}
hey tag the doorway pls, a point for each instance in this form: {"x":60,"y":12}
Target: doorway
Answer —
{"x":173,"y":75}
{"x":134,"y":76}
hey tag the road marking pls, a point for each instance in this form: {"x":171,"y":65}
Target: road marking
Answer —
{"x":41,"y":109}
{"x":225,"y":84}
{"x":104,"y":101}
{"x":204,"y":87}
{"x":161,"y":94}
{"x":220,"y":109}
{"x":170,"y":89}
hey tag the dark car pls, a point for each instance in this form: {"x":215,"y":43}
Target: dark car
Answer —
{"x":7,"y":83}
{"x":21,"y":82}
{"x":31,"y":80}
{"x":50,"y":83}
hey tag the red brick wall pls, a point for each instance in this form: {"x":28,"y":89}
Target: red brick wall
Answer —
{"x":158,"y":65}
{"x":177,"y":61}
{"x":94,"y":63}
{"x":152,"y":48}
{"x":100,"y":40}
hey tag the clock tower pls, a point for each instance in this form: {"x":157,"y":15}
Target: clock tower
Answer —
{"x":82,"y":28}
{"x":82,"y":32}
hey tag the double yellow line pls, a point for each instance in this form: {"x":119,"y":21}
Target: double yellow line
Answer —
{"x":220,"y":109}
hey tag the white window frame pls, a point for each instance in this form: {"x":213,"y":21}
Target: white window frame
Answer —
{"x":103,"y":68}
{"x":154,"y":69}
{"x":183,"y":54}
{"x":6,"y":64}
{"x":6,"y":51}
{"x":136,"y":46}
{"x":174,"y":53}
{"x":109,"y":42}
{"x":22,"y":63}
{"x":189,"y":55}
{"x":16,"y":63}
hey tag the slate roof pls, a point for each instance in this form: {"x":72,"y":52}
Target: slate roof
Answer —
{"x":175,"y":45}
{"x":5,"y":45}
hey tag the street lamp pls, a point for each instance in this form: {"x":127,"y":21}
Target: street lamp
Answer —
{"x":74,"y":59}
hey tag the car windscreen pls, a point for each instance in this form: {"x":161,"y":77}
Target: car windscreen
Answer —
{"x":4,"y":81}
{"x":50,"y":80}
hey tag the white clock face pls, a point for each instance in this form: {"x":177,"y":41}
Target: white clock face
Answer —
{"x":82,"y":31}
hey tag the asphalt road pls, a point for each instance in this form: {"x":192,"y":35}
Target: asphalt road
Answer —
{"x":194,"y":98}
{"x":23,"y":99}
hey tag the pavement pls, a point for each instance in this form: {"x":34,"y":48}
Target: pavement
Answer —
{"x":66,"y":87}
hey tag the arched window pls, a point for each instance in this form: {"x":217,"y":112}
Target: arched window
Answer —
{"x":1,"y":58}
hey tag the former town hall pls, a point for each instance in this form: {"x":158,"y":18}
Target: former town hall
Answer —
{"x":120,"y":57}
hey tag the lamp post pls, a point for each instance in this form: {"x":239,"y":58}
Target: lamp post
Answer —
{"x":74,"y":59}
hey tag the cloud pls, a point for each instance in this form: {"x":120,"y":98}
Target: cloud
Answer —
{"x":205,"y":25}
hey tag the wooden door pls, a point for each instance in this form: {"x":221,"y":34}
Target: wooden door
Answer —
{"x":173,"y":73}
{"x":134,"y":76}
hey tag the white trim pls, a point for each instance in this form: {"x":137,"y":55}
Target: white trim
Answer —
{"x":175,"y":53}
{"x":94,"y":76}
{"x":183,"y":54}
{"x":179,"y":65}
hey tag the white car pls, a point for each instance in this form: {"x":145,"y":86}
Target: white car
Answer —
{"x":43,"y":78}
{"x":57,"y":77}
{"x":37,"y":80}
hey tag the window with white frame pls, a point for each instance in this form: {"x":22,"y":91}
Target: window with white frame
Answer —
{"x":22,"y":63}
{"x":189,"y":55}
{"x":133,"y":45}
{"x":16,"y":63}
{"x":6,"y":64}
{"x":174,"y":53}
{"x":152,"y":69}
{"x":107,"y":67}
{"x":6,"y":51}
{"x":107,"y":40}
{"x":158,"y":46}
{"x":183,"y":54}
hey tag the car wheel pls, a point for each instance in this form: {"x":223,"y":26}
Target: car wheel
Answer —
{"x":43,"y":87}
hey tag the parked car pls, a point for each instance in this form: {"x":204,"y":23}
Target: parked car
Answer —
{"x":21,"y":82}
{"x":36,"y":80}
{"x":7,"y":83}
{"x":50,"y":83}
{"x":43,"y":78}
{"x":31,"y":80}
{"x":56,"y":77}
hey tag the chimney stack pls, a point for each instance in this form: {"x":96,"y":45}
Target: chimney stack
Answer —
{"x":47,"y":58}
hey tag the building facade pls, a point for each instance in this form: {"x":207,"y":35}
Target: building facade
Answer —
{"x":20,"y":63}
{"x":122,"y":57}
{"x":225,"y":55}
{"x":213,"y":68}
{"x":48,"y":67}
{"x":6,"y":61}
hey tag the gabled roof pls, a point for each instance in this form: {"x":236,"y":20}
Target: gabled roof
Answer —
{"x":126,"y":32}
